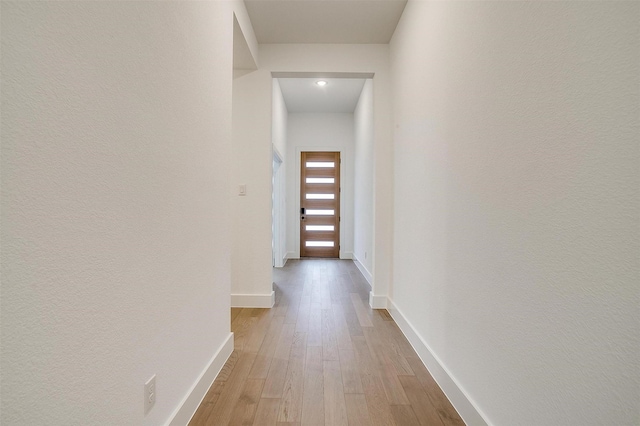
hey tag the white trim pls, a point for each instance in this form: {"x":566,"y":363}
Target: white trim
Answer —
{"x":253,"y":300}
{"x":463,"y":404}
{"x":293,"y":254}
{"x":190,"y":403}
{"x":346,"y":255}
{"x":378,"y":302}
{"x":363,"y":270}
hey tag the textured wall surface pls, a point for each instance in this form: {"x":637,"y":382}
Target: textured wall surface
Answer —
{"x":279,"y":123}
{"x":251,"y":159}
{"x":116,"y":130}
{"x":516,"y":244}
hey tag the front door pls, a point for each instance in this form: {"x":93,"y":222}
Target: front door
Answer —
{"x":320,"y":204}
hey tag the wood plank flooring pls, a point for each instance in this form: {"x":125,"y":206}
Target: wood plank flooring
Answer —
{"x":322,"y":356}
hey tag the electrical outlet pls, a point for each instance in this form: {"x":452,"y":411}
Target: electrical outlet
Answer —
{"x":149,"y":394}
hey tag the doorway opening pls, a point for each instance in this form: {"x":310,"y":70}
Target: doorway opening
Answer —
{"x":326,"y":113}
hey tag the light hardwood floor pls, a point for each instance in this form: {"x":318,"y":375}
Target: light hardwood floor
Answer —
{"x":321,"y":356}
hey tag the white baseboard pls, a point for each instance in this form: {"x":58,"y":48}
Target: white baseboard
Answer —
{"x":190,"y":403}
{"x":377,"y":302}
{"x":288,"y":255}
{"x":253,"y":300}
{"x":363,"y":270}
{"x":347,"y":255}
{"x":459,"y":399}
{"x":291,"y":255}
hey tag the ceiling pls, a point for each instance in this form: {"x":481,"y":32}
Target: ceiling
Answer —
{"x":325,"y":21}
{"x":304,"y":95}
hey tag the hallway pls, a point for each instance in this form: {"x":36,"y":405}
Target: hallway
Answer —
{"x":322,"y":342}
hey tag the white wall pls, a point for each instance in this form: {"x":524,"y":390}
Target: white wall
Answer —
{"x":345,"y":58}
{"x":516,"y":193}
{"x":363,"y":180}
{"x":320,"y":132}
{"x":251,"y":284}
{"x":279,"y":139}
{"x":280,"y":119}
{"x":116,"y":136}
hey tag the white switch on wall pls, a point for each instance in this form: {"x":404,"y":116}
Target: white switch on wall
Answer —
{"x":242,"y":190}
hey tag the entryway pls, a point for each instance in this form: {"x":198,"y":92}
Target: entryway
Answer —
{"x":320,"y":204}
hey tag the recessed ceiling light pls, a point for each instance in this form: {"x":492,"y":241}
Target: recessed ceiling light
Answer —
{"x":321,"y":83}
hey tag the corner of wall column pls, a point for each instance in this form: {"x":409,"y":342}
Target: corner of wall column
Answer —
{"x":377,"y":301}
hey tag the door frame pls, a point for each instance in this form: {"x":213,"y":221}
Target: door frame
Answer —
{"x":343,"y":162}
